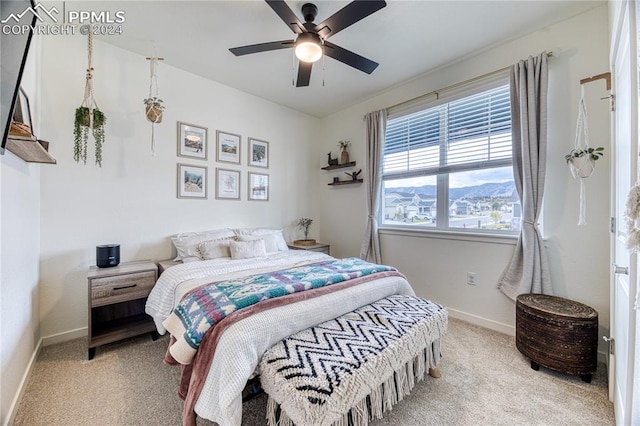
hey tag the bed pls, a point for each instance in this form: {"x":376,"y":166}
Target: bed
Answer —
{"x":228,"y":356}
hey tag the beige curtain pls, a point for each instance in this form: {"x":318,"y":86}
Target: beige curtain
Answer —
{"x":376,"y":123}
{"x":528,"y":271}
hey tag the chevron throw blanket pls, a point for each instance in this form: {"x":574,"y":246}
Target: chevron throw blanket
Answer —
{"x":204,"y":307}
{"x":354,"y":368}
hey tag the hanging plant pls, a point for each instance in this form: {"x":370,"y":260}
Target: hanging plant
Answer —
{"x":88,"y":116}
{"x":81,"y":134}
{"x":153,"y":104}
{"x":582,"y":161}
{"x":99,"y":120}
{"x":153,"y":109}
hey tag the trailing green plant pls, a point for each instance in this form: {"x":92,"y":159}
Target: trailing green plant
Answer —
{"x":82,"y":122}
{"x":81,"y":134}
{"x":99,"y":121}
{"x":593,"y":153}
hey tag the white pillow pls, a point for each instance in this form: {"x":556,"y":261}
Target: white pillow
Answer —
{"x":214,"y":249}
{"x":278,"y":238}
{"x":186,"y":243}
{"x":247,"y":249}
{"x":270,"y":243}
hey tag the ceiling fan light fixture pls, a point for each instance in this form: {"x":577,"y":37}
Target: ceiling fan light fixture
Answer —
{"x":308,"y":47}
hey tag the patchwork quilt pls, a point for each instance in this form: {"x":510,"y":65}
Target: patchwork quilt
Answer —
{"x":204,"y":307}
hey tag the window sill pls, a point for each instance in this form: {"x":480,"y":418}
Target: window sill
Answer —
{"x":510,"y":239}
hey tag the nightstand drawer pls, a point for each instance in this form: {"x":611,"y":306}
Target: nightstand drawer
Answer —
{"x":120,"y":288}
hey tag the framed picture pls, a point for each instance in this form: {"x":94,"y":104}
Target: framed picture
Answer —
{"x":258,"y":187}
{"x":258,"y":153}
{"x":228,"y":147}
{"x":192,"y":181}
{"x":192,"y":141}
{"x":228,"y":184}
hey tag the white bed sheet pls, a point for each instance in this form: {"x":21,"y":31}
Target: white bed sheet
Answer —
{"x":241,"y":346}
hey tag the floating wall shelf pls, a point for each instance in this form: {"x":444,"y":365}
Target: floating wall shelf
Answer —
{"x":29,"y":149}
{"x":345,"y":182}
{"x":340,"y":166}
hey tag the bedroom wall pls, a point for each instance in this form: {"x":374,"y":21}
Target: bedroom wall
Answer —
{"x":19,"y":253}
{"x":436,"y":267}
{"x":132,"y":200}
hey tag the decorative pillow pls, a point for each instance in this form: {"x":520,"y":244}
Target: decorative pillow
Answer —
{"x":276,"y":234}
{"x":186,"y":243}
{"x":270,"y":242}
{"x":214,"y":249}
{"x":247,"y":249}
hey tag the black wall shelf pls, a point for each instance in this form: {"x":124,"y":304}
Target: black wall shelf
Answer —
{"x":340,"y":166}
{"x":345,"y":182}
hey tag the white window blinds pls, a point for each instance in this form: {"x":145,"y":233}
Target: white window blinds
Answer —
{"x":467,"y":133}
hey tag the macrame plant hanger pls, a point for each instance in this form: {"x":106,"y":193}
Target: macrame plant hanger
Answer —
{"x":581,"y":167}
{"x":88,"y":116}
{"x":89,"y":100}
{"x":154,"y":107}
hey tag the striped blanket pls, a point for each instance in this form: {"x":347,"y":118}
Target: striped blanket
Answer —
{"x":204,"y":307}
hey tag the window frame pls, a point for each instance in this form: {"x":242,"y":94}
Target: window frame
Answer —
{"x":441,"y":228}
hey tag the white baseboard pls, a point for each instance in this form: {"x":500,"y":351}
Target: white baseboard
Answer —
{"x":13,"y":408}
{"x":502,"y":328}
{"x":483,"y":322}
{"x":65,"y":336}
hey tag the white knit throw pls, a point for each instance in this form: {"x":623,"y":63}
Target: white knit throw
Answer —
{"x":367,"y":393}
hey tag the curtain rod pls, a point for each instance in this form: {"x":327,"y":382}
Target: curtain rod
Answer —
{"x":452,"y":86}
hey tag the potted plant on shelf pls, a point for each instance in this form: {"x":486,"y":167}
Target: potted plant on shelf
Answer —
{"x":305,"y":224}
{"x":582,"y":161}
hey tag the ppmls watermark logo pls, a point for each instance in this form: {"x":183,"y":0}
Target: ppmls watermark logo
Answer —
{"x":49,"y":21}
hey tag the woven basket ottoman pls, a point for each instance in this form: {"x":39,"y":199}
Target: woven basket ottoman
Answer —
{"x":557,"y":333}
{"x":355,"y":367}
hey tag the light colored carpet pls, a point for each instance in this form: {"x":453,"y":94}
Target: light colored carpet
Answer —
{"x":485,"y":381}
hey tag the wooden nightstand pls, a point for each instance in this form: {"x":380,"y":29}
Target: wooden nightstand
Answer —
{"x":116,"y":302}
{"x":321,"y":247}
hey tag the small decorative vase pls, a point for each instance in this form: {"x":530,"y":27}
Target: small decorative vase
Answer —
{"x":344,"y":157}
{"x":154,"y":114}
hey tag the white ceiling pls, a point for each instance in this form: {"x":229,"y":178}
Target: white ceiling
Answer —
{"x":407,"y":38}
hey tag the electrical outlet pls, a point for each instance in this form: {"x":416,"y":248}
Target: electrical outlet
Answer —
{"x":471,"y":278}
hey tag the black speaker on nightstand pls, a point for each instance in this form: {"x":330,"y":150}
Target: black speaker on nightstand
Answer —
{"x":108,"y":255}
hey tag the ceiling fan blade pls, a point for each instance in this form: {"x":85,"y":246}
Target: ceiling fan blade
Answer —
{"x":304,"y":73}
{"x":262,"y":47}
{"x":347,"y":57}
{"x":286,"y":14}
{"x":348,"y":15}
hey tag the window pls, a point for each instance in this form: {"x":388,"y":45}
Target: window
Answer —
{"x":447,"y":164}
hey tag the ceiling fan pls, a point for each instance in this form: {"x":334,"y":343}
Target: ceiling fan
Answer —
{"x":311,"y":42}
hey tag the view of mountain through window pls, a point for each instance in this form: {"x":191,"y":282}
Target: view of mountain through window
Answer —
{"x":450,"y":167}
